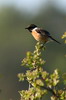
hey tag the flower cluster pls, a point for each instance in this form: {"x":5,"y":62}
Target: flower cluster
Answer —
{"x":64,"y":36}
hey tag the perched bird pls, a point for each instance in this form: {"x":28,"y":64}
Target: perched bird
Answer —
{"x":40,"y":34}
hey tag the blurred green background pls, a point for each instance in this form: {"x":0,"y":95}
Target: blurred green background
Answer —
{"x":15,"y":41}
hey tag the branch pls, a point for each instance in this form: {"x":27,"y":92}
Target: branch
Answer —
{"x":51,"y":91}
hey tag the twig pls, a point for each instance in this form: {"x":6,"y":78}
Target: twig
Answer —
{"x":51,"y":90}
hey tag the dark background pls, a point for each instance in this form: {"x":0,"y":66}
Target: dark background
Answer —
{"x":15,"y":41}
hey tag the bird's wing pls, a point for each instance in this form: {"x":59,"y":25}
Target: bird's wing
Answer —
{"x":43,"y":32}
{"x":46,"y":33}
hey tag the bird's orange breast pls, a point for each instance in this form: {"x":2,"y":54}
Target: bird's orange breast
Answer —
{"x":39,"y":37}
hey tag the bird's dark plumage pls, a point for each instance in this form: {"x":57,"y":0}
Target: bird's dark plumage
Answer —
{"x":42,"y":32}
{"x":31,"y":27}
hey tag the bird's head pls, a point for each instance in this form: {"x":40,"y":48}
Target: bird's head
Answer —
{"x":31,"y":27}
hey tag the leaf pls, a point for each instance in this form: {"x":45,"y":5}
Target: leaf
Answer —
{"x":64,"y":78}
{"x":64,"y":35}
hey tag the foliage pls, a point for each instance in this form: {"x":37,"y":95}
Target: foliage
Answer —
{"x":64,"y":36}
{"x":64,"y":75}
{"x":40,"y":81}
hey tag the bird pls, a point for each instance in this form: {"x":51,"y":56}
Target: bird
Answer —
{"x":40,"y":34}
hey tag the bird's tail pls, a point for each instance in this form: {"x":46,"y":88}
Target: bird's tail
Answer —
{"x":54,"y":39}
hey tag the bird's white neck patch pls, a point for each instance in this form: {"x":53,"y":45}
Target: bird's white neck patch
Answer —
{"x":35,"y":28}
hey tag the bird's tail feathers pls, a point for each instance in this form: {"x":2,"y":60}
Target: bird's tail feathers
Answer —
{"x":54,"y":39}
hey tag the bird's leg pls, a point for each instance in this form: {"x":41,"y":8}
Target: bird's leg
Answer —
{"x":42,"y":45}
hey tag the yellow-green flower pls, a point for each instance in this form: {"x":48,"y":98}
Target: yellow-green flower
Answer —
{"x":64,"y":35}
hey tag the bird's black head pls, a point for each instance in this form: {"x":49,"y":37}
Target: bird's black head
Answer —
{"x":31,"y":27}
